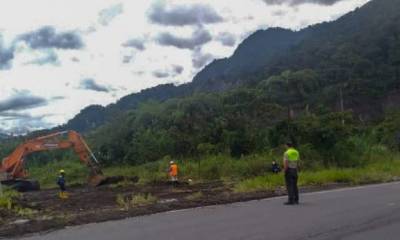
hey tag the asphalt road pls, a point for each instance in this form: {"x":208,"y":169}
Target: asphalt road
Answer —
{"x":371,"y":212}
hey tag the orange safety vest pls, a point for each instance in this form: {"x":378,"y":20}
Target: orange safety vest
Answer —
{"x":173,"y":170}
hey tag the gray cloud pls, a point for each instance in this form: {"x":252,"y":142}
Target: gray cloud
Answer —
{"x":200,"y":59}
{"x":227,"y":39}
{"x":24,"y":122}
{"x":173,"y":71}
{"x":299,"y":2}
{"x":181,"y":15}
{"x":13,"y":115}
{"x":7,"y":116}
{"x":160,"y":74}
{"x":279,"y":13}
{"x":47,"y":37}
{"x":75,"y":59}
{"x":50,"y":58}
{"x":6,"y":55}
{"x":91,"y":84}
{"x":21,"y":101}
{"x":107,"y":15}
{"x":135,"y":43}
{"x":127,"y":59}
{"x":199,"y":37}
{"x":177,"y":69}
{"x":56,"y":98}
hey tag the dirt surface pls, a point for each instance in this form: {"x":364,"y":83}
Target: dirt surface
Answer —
{"x":88,"y":205}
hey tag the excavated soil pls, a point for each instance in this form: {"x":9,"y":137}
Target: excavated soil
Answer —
{"x":89,"y":205}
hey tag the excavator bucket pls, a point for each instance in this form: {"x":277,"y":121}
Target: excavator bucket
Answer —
{"x":96,"y":180}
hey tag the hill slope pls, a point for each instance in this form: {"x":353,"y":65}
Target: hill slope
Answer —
{"x":358,"y":55}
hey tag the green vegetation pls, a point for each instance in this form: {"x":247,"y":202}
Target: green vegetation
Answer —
{"x":332,"y":90}
{"x":7,"y":199}
{"x":9,"y":203}
{"x":252,"y":172}
{"x":378,"y":171}
{"x":135,"y":200}
{"x":47,"y":174}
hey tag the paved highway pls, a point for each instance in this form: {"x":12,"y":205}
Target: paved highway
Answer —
{"x":365,"y":213}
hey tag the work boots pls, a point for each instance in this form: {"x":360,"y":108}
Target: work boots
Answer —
{"x":63,"y":195}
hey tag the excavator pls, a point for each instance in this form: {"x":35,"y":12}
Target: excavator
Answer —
{"x":13,"y":173}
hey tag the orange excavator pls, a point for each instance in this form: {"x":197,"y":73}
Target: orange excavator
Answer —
{"x":13,"y":173}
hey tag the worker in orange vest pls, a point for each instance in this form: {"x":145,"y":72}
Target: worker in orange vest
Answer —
{"x":173,"y":172}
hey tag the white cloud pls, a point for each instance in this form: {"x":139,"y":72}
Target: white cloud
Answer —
{"x":119,"y":50}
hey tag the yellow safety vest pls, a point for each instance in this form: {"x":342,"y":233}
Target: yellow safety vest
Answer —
{"x":293,"y":156}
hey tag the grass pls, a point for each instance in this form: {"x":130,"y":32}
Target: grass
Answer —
{"x":249,"y":173}
{"x":7,"y":199}
{"x":138,"y":200}
{"x":384,"y":170}
{"x":8,"y":202}
{"x":76,"y":173}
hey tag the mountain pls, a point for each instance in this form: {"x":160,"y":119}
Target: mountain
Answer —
{"x":251,"y":56}
{"x":4,"y":136}
{"x":356,"y":57}
{"x":95,"y":115}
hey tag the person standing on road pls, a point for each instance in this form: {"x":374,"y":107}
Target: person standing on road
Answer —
{"x":173,"y":172}
{"x":61,"y":183}
{"x":290,"y":165}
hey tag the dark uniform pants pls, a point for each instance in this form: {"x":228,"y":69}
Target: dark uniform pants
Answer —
{"x":62,"y":187}
{"x":291,"y":185}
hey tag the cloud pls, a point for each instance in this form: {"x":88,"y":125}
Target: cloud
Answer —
{"x":199,"y":37}
{"x":135,"y":43}
{"x":47,"y":37}
{"x":7,"y":116}
{"x":50,"y":57}
{"x":227,"y":39}
{"x":200,"y":59}
{"x":279,"y":13}
{"x":299,"y":2}
{"x":160,"y":74}
{"x":106,"y":16}
{"x":182,"y":15}
{"x":23,"y":122}
{"x":22,"y":101}
{"x":91,"y":84}
{"x":58,"y":98}
{"x":177,"y":69}
{"x":173,"y":71}
{"x":127,"y":59}
{"x":6,"y":55}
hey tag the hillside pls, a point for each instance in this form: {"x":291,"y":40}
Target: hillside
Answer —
{"x":4,"y":136}
{"x":252,"y":55}
{"x":320,"y":93}
{"x":94,"y":116}
{"x":357,"y":55}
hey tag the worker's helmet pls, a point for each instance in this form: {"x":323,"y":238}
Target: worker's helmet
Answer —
{"x":171,"y":162}
{"x":62,"y":171}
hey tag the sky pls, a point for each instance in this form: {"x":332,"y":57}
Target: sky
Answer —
{"x":59,"y":56}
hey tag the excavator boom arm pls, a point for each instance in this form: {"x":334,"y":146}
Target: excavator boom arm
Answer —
{"x":13,"y":165}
